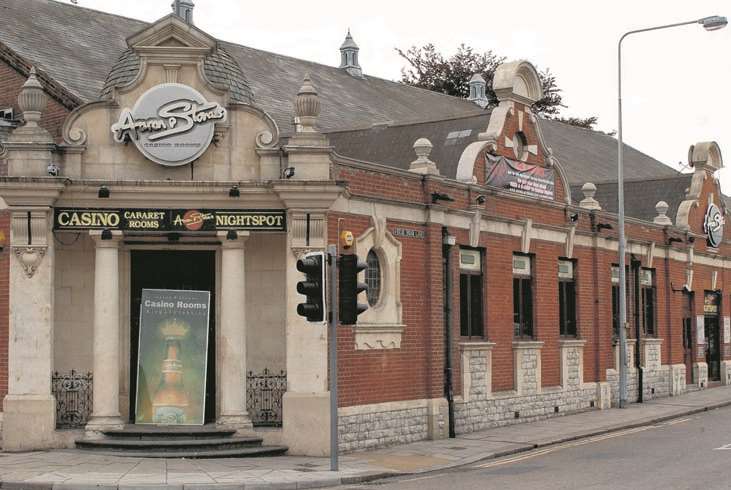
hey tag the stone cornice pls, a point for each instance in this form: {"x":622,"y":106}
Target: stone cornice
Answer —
{"x":36,"y":192}
{"x":308,"y":194}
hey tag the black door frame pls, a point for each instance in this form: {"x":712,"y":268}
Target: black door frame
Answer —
{"x":714,"y":372}
{"x":204,"y":254}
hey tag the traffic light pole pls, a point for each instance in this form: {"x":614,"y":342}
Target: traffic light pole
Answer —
{"x":332,"y":253}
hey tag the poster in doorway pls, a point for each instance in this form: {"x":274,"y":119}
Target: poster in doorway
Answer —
{"x":172,"y":361}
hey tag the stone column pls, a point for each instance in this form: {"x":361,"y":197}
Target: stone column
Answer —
{"x":105,"y":411}
{"x":232,"y":334}
{"x":306,"y":404}
{"x":29,"y":409}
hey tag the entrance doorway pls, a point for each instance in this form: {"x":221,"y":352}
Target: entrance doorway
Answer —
{"x":182,"y":270}
{"x":688,"y":336}
{"x":711,"y":309}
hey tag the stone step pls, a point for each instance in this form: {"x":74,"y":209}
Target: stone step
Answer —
{"x":249,"y":452}
{"x":170,"y":444}
{"x":170,"y":432}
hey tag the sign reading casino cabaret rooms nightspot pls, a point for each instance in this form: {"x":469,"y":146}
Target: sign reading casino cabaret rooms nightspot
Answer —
{"x":171,"y":124}
{"x":169,"y":220}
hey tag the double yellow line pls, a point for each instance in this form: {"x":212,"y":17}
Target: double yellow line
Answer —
{"x":559,"y":447}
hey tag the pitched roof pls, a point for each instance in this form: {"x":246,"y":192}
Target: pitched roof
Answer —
{"x":586,"y":156}
{"x":77,"y":47}
{"x":641,"y":195}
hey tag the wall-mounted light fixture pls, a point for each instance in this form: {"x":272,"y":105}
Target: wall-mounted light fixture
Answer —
{"x":103,"y":192}
{"x":173,"y":237}
{"x":481,"y":199}
{"x":106,"y":234}
{"x":574,"y":217}
{"x":232,"y":235}
{"x":673,"y":239}
{"x":438,"y":196}
{"x":288,"y":173}
{"x":234,"y":191}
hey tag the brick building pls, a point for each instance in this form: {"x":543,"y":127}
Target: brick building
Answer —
{"x":490,"y":237}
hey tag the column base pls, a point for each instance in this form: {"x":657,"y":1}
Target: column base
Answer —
{"x":99,"y":424}
{"x":29,"y":422}
{"x":437,"y":413}
{"x":306,"y":423}
{"x":241,"y":423}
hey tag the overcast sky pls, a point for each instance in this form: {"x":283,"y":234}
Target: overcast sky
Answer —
{"x":676,"y":82}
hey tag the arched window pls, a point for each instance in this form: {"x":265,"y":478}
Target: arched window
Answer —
{"x":373,"y":277}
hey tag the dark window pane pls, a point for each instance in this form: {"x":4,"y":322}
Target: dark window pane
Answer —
{"x":527,"y":312}
{"x":476,"y":325}
{"x":570,"y":308}
{"x":615,"y":310}
{"x":373,"y":278}
{"x":464,"y":306}
{"x":516,"y":307}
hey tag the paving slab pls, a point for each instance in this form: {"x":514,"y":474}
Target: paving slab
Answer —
{"x":81,"y":470}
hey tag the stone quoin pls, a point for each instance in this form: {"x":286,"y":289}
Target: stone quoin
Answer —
{"x":188,"y":163}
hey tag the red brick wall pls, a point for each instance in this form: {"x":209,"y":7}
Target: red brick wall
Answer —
{"x":11,"y":83}
{"x":415,"y":370}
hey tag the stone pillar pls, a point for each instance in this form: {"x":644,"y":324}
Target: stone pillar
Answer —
{"x":232,"y":334}
{"x":476,"y":370}
{"x":306,"y":404}
{"x":29,"y":409}
{"x":572,"y":363}
{"x":650,"y":349}
{"x":726,"y":373}
{"x":677,"y":379}
{"x":700,"y":374}
{"x":527,"y":366}
{"x":105,"y":412}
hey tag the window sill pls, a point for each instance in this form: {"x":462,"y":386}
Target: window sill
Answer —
{"x":374,"y":336}
{"x":476,"y":345}
{"x":527,"y":344}
{"x":571,"y":342}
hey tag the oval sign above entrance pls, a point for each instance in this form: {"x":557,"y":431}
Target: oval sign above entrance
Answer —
{"x":713,"y":225}
{"x":171,"y":124}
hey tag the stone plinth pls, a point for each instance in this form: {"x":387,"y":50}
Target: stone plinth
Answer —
{"x":572,"y":363}
{"x":527,"y":366}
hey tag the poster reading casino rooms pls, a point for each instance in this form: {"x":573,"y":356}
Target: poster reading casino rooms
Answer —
{"x":172,"y":361}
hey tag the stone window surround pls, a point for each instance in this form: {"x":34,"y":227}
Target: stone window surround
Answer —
{"x":381,"y":326}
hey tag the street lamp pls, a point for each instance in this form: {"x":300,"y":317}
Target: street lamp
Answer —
{"x":711,"y":23}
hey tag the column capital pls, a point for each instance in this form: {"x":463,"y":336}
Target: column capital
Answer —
{"x":233,"y":239}
{"x":106,"y":242}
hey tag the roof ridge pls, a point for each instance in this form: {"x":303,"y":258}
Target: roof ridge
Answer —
{"x":410,"y":123}
{"x":58,"y":2}
{"x":643,"y":179}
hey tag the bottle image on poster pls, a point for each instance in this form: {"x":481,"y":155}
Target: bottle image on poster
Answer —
{"x":173,"y":357}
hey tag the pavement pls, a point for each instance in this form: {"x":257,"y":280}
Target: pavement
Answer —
{"x":72,"y":469}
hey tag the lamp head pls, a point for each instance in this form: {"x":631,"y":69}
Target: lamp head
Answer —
{"x":713,"y":23}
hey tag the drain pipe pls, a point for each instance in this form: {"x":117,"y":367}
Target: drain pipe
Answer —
{"x":447,"y":276}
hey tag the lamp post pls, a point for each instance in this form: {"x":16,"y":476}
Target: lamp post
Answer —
{"x":711,"y":23}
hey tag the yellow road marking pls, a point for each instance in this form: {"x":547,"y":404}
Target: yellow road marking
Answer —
{"x":559,"y":447}
{"x":679,"y":421}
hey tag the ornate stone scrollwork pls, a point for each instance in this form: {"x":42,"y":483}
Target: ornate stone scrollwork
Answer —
{"x":76,"y":136}
{"x":264,"y":139}
{"x":30,"y":258}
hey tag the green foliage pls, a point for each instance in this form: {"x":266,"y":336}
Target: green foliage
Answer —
{"x":429,"y":69}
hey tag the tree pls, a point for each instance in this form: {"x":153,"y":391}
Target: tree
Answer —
{"x":429,"y":69}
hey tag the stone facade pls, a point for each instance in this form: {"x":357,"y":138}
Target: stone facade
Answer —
{"x":387,"y":424}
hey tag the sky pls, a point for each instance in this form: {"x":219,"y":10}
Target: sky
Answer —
{"x":675,"y":82}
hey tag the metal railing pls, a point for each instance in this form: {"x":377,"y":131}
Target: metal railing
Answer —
{"x":73,"y":392}
{"x":264,"y":392}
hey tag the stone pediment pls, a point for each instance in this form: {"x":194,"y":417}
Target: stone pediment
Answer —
{"x":171,"y":34}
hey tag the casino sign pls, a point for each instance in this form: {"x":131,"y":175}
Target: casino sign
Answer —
{"x":171,"y":124}
{"x":713,"y":225}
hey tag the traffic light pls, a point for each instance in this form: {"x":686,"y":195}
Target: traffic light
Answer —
{"x":313,"y":287}
{"x":349,"y":288}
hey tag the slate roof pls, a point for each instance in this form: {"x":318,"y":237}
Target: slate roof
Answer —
{"x":641,"y":195}
{"x":586,"y":156}
{"x":78,"y":47}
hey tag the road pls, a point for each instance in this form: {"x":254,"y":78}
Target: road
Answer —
{"x":692,"y":452}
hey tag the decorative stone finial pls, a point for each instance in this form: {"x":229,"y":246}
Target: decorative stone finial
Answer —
{"x":662,"y":218}
{"x":422,"y":164}
{"x":349,"y":57}
{"x":184,"y":10}
{"x":477,"y":91}
{"x":589,"y":191}
{"x":307,"y":107}
{"x":32,"y":99}
{"x":517,"y":81}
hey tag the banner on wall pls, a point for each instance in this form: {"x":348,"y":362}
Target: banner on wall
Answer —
{"x":173,"y":357}
{"x":521,"y":178}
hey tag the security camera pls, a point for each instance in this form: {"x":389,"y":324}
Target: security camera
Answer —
{"x":481,"y":199}
{"x":53,"y":170}
{"x":288,"y":172}
{"x":574,"y":217}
